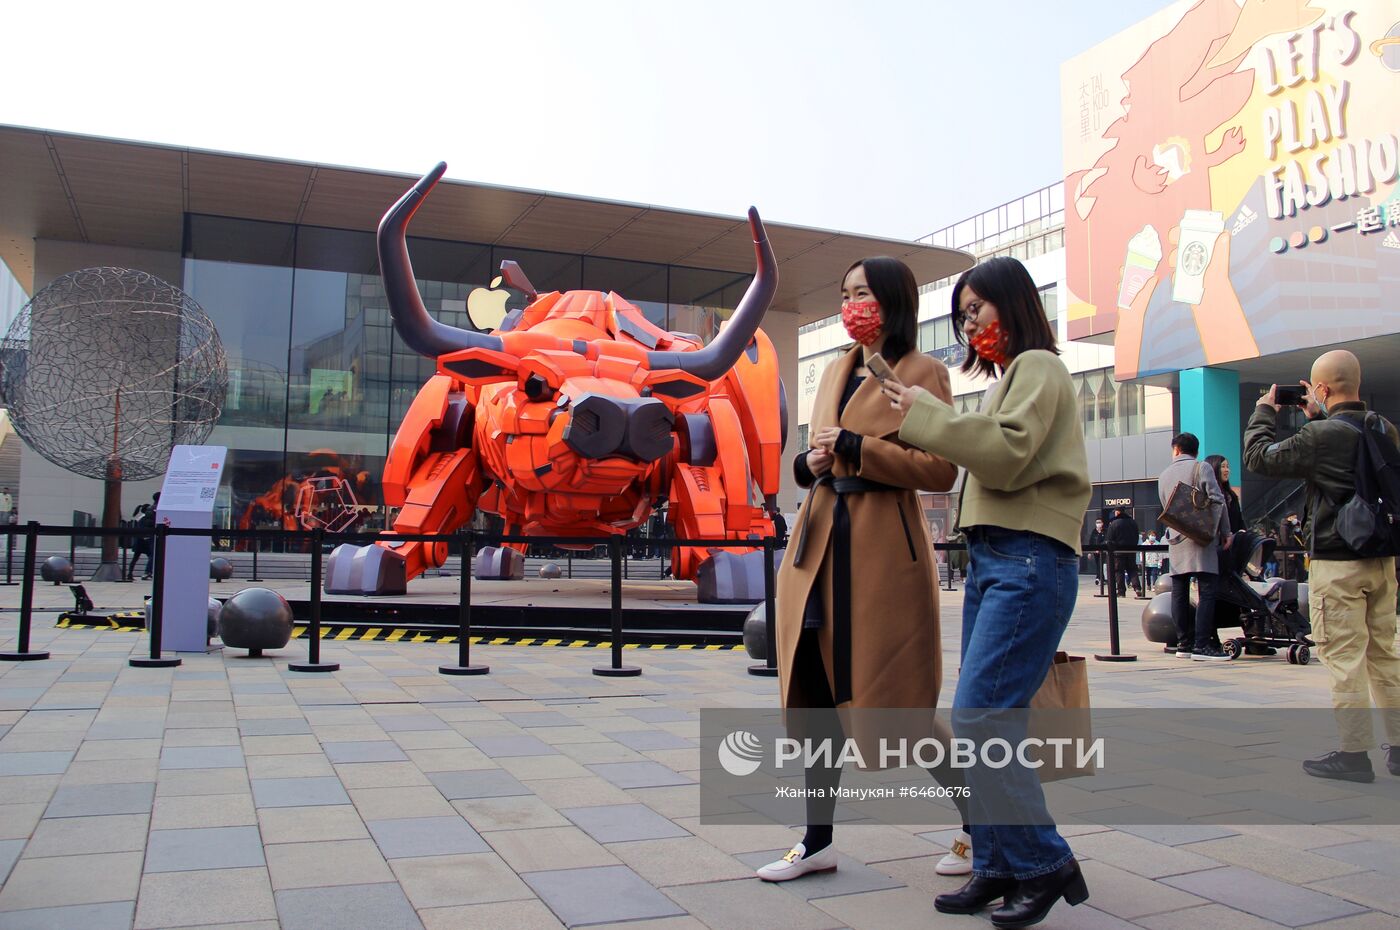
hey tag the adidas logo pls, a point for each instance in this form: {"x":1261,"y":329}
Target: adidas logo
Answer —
{"x":1245,"y":217}
{"x":1391,"y":241}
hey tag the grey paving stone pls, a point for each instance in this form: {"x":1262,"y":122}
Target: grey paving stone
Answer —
{"x":364,"y":751}
{"x":139,"y":689}
{"x":647,"y":740}
{"x":541,"y":718}
{"x":639,"y":774}
{"x":274,"y":726}
{"x":258,"y":687}
{"x":486,"y":783}
{"x":201,"y":757}
{"x":621,"y":823}
{"x":1178,"y":834}
{"x":9,"y":852}
{"x":519,"y":745}
{"x":35,"y":763}
{"x":208,"y":848}
{"x":850,"y":877}
{"x":659,"y":714}
{"x":112,"y":916}
{"x":90,"y":800}
{"x":1264,"y":897}
{"x":299,"y":792}
{"x":127,"y":729}
{"x":1373,"y":855}
{"x":380,"y":905}
{"x":400,"y":723}
{"x":600,"y":895}
{"x":426,"y":836}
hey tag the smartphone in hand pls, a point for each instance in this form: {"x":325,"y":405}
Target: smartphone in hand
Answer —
{"x":1289,"y":395}
{"x":882,"y":370}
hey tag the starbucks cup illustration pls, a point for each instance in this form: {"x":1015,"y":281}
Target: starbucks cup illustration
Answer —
{"x":1199,"y":230}
{"x":1144,"y":254}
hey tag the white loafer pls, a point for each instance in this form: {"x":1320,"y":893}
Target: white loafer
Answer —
{"x":797,"y":864}
{"x":959,"y":858}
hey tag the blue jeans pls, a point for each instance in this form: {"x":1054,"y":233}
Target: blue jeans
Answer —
{"x":1020,"y":593}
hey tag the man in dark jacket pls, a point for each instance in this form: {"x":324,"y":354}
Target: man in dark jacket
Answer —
{"x":1097,"y":538}
{"x":1122,"y":535}
{"x":1352,"y":599}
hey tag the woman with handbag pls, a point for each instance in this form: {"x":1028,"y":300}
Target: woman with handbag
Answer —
{"x":867,"y":638}
{"x":1026,"y":490}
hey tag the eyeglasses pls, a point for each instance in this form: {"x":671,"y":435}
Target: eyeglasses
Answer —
{"x":970,"y":312}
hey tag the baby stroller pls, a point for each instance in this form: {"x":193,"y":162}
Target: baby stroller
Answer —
{"x":1270,"y":612}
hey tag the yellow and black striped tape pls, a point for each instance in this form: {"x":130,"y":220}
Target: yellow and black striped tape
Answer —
{"x":381,"y":635}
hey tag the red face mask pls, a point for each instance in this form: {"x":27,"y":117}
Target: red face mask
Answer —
{"x":862,"y":320}
{"x":990,"y":343}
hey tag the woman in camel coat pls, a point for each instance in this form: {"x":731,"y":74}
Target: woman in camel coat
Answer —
{"x":857,"y":600}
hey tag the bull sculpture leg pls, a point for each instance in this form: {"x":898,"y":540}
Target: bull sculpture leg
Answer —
{"x":714,"y":498}
{"x":433,"y":474}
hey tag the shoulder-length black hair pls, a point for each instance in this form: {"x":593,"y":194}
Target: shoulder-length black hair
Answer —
{"x":894,"y":287}
{"x":1215,"y":461}
{"x":1005,"y":284}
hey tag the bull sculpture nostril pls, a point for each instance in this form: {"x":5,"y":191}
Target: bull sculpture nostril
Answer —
{"x":597,"y":426}
{"x":607,"y":426}
{"x":649,"y":426}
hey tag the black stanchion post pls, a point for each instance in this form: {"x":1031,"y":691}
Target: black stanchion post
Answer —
{"x":257,"y":544}
{"x":26,"y":601}
{"x":313,"y":661}
{"x":9,"y":555}
{"x":72,"y":552}
{"x":948,"y":563}
{"x":154,"y":659}
{"x":768,"y":668}
{"x":1114,"y":655}
{"x":616,"y":669}
{"x":466,"y":545}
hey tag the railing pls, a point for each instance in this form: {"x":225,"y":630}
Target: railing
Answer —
{"x":465,"y":543}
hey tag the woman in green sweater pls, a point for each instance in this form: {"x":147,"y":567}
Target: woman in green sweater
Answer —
{"x":1022,"y":503}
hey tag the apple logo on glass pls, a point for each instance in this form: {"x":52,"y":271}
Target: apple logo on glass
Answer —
{"x":487,"y":307}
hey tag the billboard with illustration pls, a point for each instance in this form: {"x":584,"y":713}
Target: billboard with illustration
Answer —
{"x":1230,"y":181}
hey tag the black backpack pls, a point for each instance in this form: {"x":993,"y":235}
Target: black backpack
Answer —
{"x":1369,"y":522}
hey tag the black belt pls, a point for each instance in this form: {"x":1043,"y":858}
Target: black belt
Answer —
{"x":841,"y":573}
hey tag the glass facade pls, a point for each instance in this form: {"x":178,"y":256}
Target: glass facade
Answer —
{"x":319,"y":380}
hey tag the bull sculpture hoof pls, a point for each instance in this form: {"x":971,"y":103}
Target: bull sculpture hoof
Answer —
{"x":732,"y":578}
{"x":497,"y":563}
{"x":365,"y":570}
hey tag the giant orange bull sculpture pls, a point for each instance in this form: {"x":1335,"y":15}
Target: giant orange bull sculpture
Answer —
{"x":577,"y":417}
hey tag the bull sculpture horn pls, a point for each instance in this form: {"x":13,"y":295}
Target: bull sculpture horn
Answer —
{"x":714,"y":360}
{"x":415,"y":326}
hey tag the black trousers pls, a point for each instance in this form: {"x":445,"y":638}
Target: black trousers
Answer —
{"x":1203,"y":634}
{"x":819,"y":721}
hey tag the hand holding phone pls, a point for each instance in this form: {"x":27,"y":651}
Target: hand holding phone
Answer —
{"x":1289,"y":395}
{"x":882,"y":370}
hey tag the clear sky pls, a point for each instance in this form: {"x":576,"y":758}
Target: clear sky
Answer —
{"x":881,"y":117}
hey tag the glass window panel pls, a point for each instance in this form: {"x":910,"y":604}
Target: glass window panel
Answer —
{"x":251,"y":242}
{"x":640,"y":283}
{"x":1107,"y":424}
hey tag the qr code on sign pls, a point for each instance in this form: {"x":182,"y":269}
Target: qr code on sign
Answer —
{"x":206,"y":494}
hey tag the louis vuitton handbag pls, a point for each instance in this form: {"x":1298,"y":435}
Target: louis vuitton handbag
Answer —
{"x":1190,"y":511}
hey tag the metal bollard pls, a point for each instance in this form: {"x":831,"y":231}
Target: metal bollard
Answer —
{"x":154,"y":659}
{"x":616,"y":669}
{"x":768,"y":668}
{"x":313,"y":661}
{"x":466,"y":545}
{"x":26,"y":601}
{"x":1113,"y":644}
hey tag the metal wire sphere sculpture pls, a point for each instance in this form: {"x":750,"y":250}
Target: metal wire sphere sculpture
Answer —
{"x":107,"y":369}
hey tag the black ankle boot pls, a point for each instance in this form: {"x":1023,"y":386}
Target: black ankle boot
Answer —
{"x":1033,"y":898}
{"x":975,"y":895}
